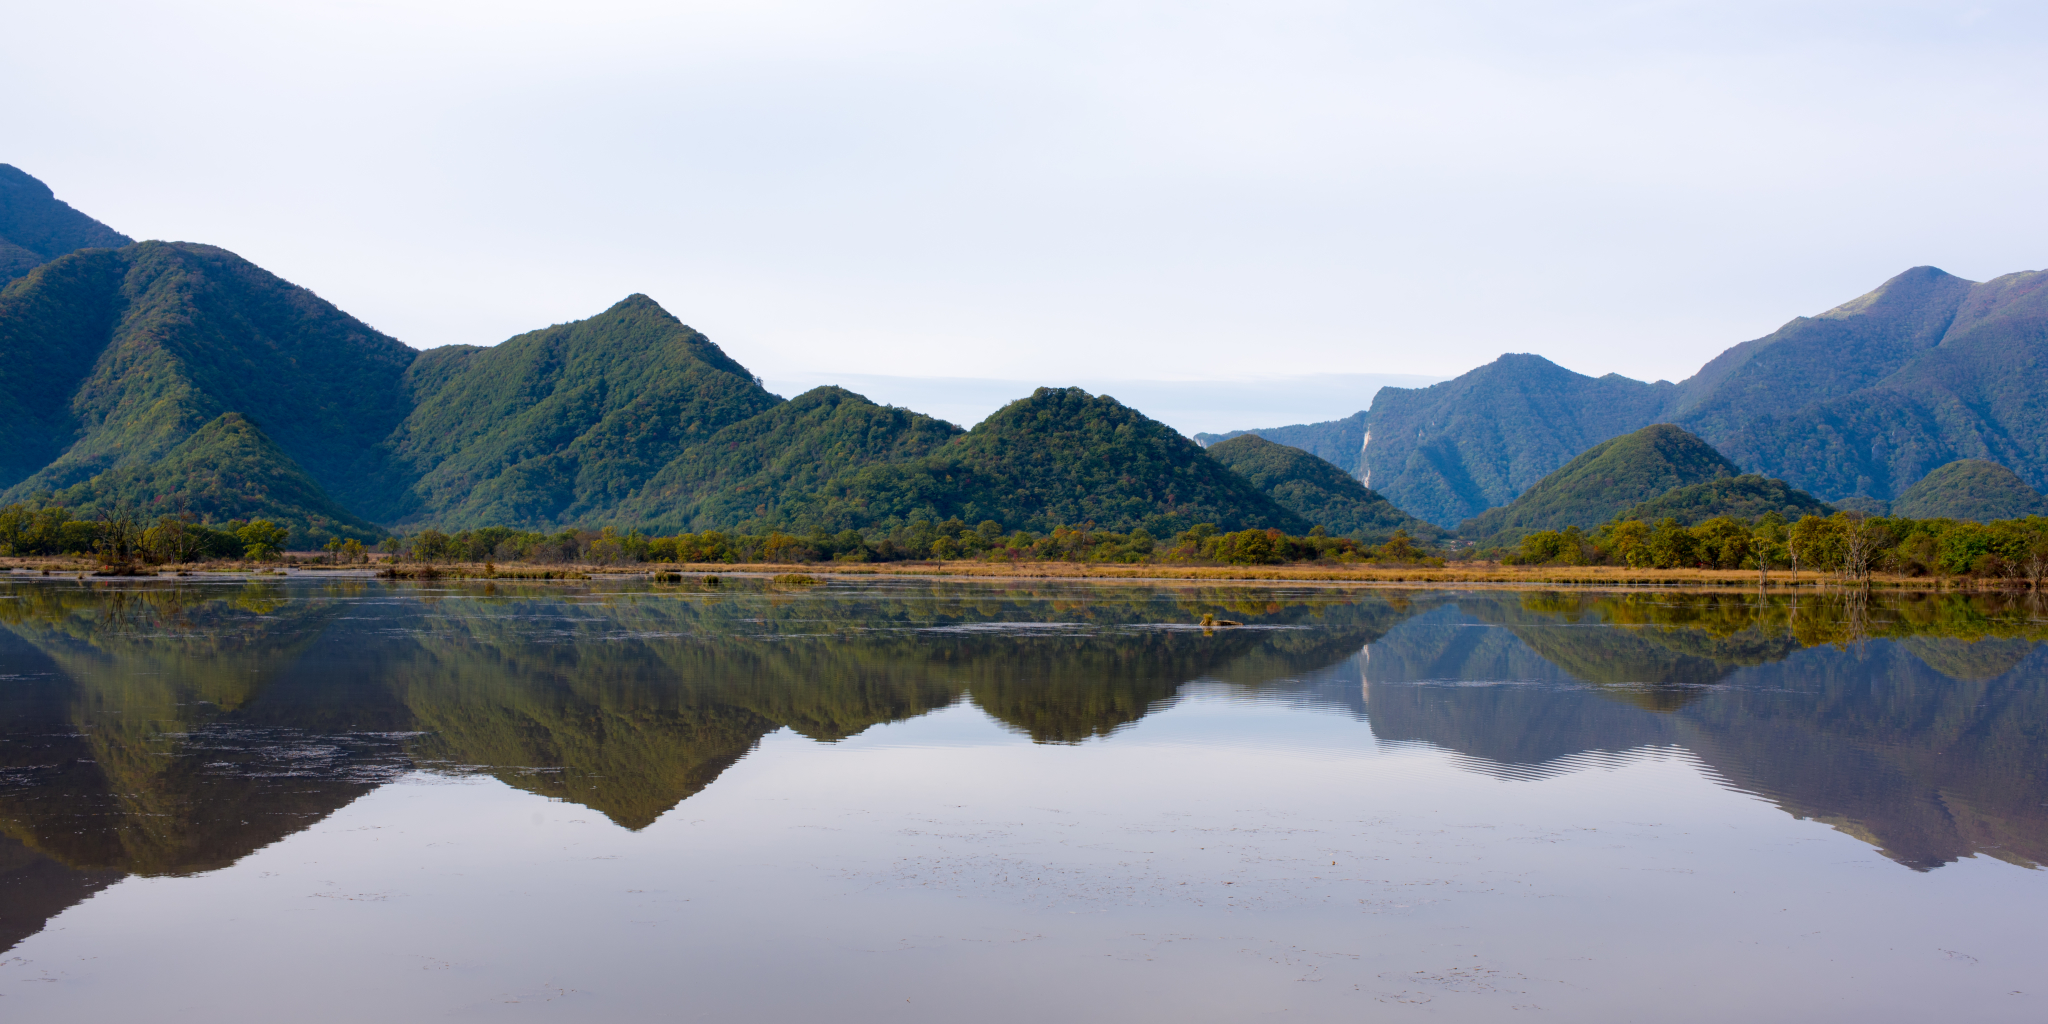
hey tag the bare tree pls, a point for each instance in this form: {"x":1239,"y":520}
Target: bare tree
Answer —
{"x":1859,"y":548}
{"x":119,"y":540}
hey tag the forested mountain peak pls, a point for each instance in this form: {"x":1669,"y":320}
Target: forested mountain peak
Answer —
{"x":2005,"y":303}
{"x":1071,"y":457}
{"x":1911,"y":292}
{"x":765,"y":471}
{"x":564,"y":422}
{"x":1060,"y":456}
{"x":1819,"y":358}
{"x":1743,"y":497}
{"x":1451,"y":450}
{"x":36,"y":226}
{"x":1973,"y":489}
{"x":1602,"y":482}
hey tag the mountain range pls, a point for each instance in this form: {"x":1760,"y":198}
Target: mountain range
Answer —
{"x":37,"y":227}
{"x":1861,"y":401}
{"x":176,"y":376}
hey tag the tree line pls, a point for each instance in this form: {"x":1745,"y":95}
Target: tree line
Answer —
{"x":916,"y":540}
{"x":120,"y":537}
{"x":1847,"y":544}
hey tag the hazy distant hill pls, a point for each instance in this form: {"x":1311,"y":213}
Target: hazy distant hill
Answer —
{"x":37,"y":227}
{"x":1336,"y":442}
{"x":1970,"y":489}
{"x":1744,"y":497}
{"x":1319,"y":492}
{"x":1607,"y":479}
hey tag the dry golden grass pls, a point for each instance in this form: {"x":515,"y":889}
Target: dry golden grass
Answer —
{"x":1454,"y":574}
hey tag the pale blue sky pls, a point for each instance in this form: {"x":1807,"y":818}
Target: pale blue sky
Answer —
{"x":1064,"y":191}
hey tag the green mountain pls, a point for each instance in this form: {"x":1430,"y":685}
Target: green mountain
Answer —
{"x":1336,"y":442}
{"x":1061,"y":456}
{"x":1975,"y":392}
{"x":1450,"y":451}
{"x":1970,"y":489}
{"x":1319,"y":492}
{"x":115,"y":356}
{"x":1607,"y":479}
{"x":226,"y":470}
{"x":37,"y":227}
{"x":1857,"y":402}
{"x":1744,"y":497}
{"x":162,"y":373}
{"x":110,"y":359}
{"x":765,"y":468}
{"x":559,"y":425}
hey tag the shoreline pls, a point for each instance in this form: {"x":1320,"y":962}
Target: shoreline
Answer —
{"x":1488,"y":575}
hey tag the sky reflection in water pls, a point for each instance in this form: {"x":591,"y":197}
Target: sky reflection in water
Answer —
{"x":909,"y":800}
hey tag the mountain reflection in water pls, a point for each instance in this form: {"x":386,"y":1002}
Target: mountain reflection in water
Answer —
{"x":166,"y":729}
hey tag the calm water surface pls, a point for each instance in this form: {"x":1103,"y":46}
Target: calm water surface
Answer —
{"x":329,"y":800}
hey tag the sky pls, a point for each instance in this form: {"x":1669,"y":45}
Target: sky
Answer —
{"x":1064,"y":192}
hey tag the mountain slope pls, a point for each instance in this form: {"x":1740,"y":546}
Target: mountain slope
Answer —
{"x":1452,"y":450}
{"x":561,"y":424}
{"x":748,"y":471}
{"x":1980,"y":393}
{"x":1743,"y":497}
{"x":1970,"y":489}
{"x":37,"y":227}
{"x":226,"y":470}
{"x":1061,"y":456}
{"x":112,"y":358}
{"x":1317,"y":491}
{"x":1814,"y":359}
{"x":1335,"y":441}
{"x":1863,"y":399}
{"x":1607,"y":479}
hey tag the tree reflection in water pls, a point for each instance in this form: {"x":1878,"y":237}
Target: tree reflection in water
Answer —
{"x":166,"y":729}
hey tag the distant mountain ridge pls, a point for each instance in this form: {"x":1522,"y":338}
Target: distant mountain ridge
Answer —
{"x":37,"y":227}
{"x":1336,"y":442}
{"x":1862,"y":400}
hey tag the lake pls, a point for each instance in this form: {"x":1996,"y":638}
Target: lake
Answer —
{"x":894,"y":799}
